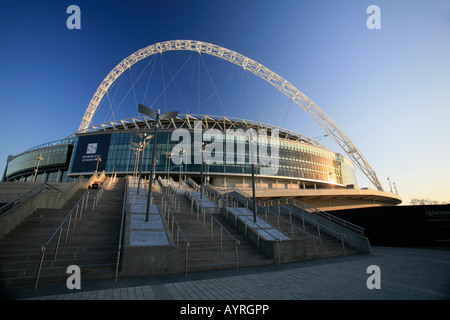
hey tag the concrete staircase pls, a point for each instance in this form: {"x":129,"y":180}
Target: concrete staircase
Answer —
{"x":328,"y":246}
{"x":11,"y":190}
{"x":204,"y":253}
{"x":91,"y":245}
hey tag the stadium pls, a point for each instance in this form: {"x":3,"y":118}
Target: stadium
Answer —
{"x":166,"y":192}
{"x":305,"y":169}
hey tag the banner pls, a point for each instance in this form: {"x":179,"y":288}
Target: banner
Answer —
{"x":89,"y":149}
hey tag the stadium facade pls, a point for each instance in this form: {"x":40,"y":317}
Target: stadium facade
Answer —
{"x":297,"y":167}
{"x":304,"y":168}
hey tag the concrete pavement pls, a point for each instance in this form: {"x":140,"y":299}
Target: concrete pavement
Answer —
{"x":405,"y":274}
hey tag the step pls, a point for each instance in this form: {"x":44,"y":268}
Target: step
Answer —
{"x":107,"y":272}
{"x":92,"y":245}
{"x":205,"y":254}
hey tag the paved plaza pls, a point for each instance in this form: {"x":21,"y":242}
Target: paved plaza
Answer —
{"x":405,"y":274}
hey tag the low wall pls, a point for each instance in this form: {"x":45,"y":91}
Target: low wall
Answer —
{"x":269,"y":240}
{"x":204,"y":203}
{"x":355,"y":240}
{"x":148,"y":247}
{"x":14,"y":217}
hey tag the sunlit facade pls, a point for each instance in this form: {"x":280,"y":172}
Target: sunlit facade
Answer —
{"x":52,"y":168}
{"x":301,"y":161}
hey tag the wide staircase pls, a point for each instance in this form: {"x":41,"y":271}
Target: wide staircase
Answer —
{"x":325,"y":245}
{"x":320,"y":241}
{"x":91,"y":244}
{"x":208,"y":252}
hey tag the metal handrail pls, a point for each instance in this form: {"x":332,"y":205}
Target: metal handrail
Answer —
{"x":98,"y":195}
{"x":174,"y":219}
{"x":267,"y":211}
{"x":211,"y":189}
{"x":312,"y":237}
{"x":319,"y":225}
{"x":19,"y":200}
{"x":236,"y":241}
{"x":312,"y":221}
{"x":256,"y":230}
{"x":60,"y":229}
{"x":231,"y":205}
{"x":262,"y":204}
{"x":215,"y":219}
{"x":44,"y":187}
{"x":193,"y":183}
{"x":290,"y":223}
{"x":119,"y":248}
{"x":325,"y":215}
{"x":173,"y":216}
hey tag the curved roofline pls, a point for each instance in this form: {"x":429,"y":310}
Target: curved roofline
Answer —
{"x":208,"y":122}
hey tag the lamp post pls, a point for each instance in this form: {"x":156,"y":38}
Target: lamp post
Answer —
{"x":169,"y":155}
{"x":37,"y":166}
{"x":251,"y":158}
{"x":98,"y":160}
{"x":137,"y":155}
{"x":170,"y":115}
{"x":181,"y":165}
{"x":201,"y":170}
{"x":390,"y":183}
{"x":143,"y":144}
{"x":136,"y":151}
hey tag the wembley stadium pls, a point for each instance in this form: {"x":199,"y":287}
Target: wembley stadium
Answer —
{"x":181,"y":193}
{"x":305,"y":169}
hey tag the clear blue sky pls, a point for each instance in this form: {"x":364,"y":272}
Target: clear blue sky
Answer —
{"x":388,"y":89}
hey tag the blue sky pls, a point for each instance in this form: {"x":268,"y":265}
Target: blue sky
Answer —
{"x":388,"y":89}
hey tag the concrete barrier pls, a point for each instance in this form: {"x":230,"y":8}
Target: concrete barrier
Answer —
{"x":41,"y":199}
{"x":351,"y":238}
{"x":272,"y":242}
{"x":148,"y":247}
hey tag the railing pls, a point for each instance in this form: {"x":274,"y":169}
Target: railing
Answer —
{"x":341,"y":222}
{"x":193,"y":183}
{"x":112,"y":179}
{"x":223,"y":200}
{"x":213,"y":219}
{"x":167,"y":214}
{"x":235,"y":203}
{"x":336,"y":220}
{"x":77,"y":209}
{"x":28,"y":195}
{"x":122,"y":220}
{"x":226,"y":201}
{"x":317,"y":224}
{"x":97,"y":196}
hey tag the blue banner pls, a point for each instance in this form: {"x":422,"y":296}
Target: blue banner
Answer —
{"x":89,"y":149}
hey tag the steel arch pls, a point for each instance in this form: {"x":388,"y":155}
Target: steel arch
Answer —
{"x":330,"y":127}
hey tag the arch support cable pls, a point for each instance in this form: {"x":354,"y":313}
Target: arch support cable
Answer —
{"x":330,"y":127}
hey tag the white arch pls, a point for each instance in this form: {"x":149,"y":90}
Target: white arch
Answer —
{"x":330,"y":127}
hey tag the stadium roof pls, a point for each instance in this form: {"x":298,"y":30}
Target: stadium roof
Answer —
{"x":187,"y":121}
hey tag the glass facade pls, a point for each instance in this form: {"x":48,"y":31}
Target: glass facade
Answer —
{"x":55,"y":162}
{"x":297,"y":160}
